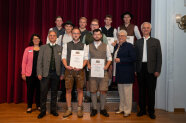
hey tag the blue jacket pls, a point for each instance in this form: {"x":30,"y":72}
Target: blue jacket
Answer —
{"x":125,"y":68}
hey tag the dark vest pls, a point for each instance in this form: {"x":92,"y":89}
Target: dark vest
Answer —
{"x":82,"y":35}
{"x":129,"y":29}
{"x":72,"y":46}
{"x":52,"y":61}
{"x":98,"y":53}
{"x":109,"y":32}
{"x":59,"y":32}
{"x":89,"y":38}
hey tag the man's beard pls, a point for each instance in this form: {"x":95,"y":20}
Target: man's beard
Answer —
{"x":97,"y":39}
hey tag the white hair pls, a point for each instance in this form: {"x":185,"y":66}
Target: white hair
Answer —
{"x":146,"y":23}
{"x":52,"y":31}
{"x":122,"y":31}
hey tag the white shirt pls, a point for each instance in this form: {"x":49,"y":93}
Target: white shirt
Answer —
{"x":144,"y":59}
{"x":114,"y":63}
{"x":97,"y":43}
{"x":52,"y":44}
{"x":66,"y":38}
{"x":64,"y":53}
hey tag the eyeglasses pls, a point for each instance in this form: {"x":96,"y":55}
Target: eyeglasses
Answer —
{"x":76,"y":33}
{"x":121,"y":35}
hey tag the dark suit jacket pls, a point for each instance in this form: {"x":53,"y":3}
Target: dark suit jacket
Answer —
{"x":154,"y":55}
{"x":43,"y":62}
{"x":125,"y":68}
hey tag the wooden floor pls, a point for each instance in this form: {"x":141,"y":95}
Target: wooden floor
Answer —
{"x":15,"y":113}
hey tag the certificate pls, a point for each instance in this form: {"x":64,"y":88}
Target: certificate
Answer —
{"x":76,"y":59}
{"x":110,"y":41}
{"x":97,"y":68}
{"x":130,"y":39}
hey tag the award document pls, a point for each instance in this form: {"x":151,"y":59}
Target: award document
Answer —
{"x":130,"y":39}
{"x":110,"y":41}
{"x":97,"y":68}
{"x":76,"y":59}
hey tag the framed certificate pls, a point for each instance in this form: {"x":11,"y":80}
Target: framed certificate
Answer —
{"x":76,"y":59}
{"x":130,"y":39}
{"x":110,"y":41}
{"x":97,"y":68}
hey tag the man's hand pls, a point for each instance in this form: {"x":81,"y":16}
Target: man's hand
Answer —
{"x":89,"y":67}
{"x":39,"y":77}
{"x":114,"y":43}
{"x":117,"y":60}
{"x":61,"y":77}
{"x":156,"y":74}
{"x":69,"y":67}
{"x":77,"y":69}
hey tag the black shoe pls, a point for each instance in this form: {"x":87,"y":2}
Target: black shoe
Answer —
{"x":54,"y":113}
{"x":41,"y":115}
{"x":152,"y":116}
{"x":104,"y":113}
{"x":29,"y":110}
{"x":141,"y":113}
{"x":93,"y":113}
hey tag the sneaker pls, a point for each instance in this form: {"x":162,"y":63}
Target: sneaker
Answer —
{"x":67,"y":113}
{"x":119,"y":112}
{"x":80,"y":113}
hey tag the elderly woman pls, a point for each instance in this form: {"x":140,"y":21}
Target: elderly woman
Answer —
{"x":124,"y":58}
{"x":29,"y":65}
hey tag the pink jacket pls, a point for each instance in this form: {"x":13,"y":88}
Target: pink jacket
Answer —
{"x":27,"y":61}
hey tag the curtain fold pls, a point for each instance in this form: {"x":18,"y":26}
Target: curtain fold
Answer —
{"x":19,"y":19}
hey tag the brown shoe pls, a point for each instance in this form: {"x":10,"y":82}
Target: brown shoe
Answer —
{"x":67,"y":113}
{"x":80,"y":113}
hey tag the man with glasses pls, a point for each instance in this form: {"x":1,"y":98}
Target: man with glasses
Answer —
{"x":72,"y":73}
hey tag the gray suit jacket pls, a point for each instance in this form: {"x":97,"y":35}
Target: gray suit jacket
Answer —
{"x":43,"y":62}
{"x":154,"y":55}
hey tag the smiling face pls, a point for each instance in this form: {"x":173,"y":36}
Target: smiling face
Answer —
{"x":36,"y":40}
{"x":68,"y":28}
{"x":97,"y":36}
{"x":126,"y":19}
{"x":122,"y":37}
{"x":82,"y":23}
{"x":52,"y":37}
{"x":94,"y":25}
{"x":108,"y":21}
{"x":146,"y":29}
{"x":76,"y":34}
{"x":59,"y":22}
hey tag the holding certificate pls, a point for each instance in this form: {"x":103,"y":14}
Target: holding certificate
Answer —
{"x":97,"y":66}
{"x":74,"y":58}
{"x":98,"y":63}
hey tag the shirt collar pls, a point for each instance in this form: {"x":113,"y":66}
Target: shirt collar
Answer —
{"x":97,"y":42}
{"x":52,"y":44}
{"x":146,"y":38}
{"x":76,"y":42}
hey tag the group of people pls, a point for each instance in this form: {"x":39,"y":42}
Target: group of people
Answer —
{"x":43,"y":66}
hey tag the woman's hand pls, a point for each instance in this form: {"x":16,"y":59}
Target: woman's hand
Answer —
{"x":23,"y":77}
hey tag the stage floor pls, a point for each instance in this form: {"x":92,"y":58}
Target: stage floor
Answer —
{"x":16,"y":113}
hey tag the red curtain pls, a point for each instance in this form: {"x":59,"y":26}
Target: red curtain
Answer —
{"x":19,"y":19}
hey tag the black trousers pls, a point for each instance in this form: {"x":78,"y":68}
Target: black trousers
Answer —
{"x":147,"y":86}
{"x":51,"y":81}
{"x":33,"y":84}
